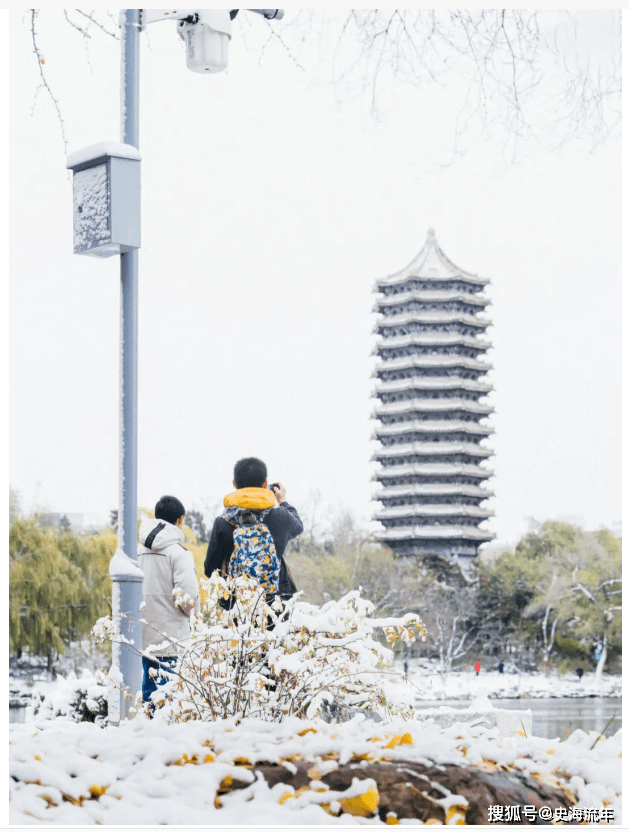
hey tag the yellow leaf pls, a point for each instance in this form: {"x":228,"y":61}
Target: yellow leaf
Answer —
{"x":551,"y":751}
{"x":362,"y":805}
{"x":185,"y":760}
{"x":209,"y":758}
{"x":37,"y":757}
{"x":98,"y":791}
{"x":285,"y":796}
{"x":455,"y":815}
{"x":225,"y":784}
{"x":406,"y":739}
{"x":241,"y":761}
{"x":307,"y":731}
{"x":391,"y":819}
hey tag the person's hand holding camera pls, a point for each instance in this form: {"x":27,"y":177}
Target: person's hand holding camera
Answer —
{"x":278,"y":489}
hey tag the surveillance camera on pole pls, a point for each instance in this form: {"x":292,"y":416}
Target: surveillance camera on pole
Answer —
{"x":205,"y":32}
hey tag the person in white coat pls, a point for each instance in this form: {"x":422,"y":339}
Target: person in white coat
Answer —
{"x":170,"y":590}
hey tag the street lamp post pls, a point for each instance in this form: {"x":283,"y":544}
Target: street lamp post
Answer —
{"x":127,"y":590}
{"x":107,"y":222}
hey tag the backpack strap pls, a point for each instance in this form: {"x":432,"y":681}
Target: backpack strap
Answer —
{"x":150,"y":538}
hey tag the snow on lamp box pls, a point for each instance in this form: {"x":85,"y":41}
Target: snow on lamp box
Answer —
{"x":106,"y":199}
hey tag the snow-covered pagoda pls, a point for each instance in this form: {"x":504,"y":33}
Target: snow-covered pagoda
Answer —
{"x":431,"y":408}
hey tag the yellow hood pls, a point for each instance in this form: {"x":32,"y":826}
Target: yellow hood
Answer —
{"x":255,"y":498}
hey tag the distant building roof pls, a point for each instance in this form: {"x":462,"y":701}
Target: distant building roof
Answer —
{"x":389,"y":492}
{"x":432,"y":469}
{"x":425,"y":426}
{"x":435,"y":384}
{"x":432,"y":510}
{"x":435,"y":318}
{"x":431,"y":449}
{"x":406,"y":362}
{"x":435,"y":533}
{"x":431,"y":262}
{"x":481,"y":301}
{"x":437,"y":339}
{"x":434,"y":405}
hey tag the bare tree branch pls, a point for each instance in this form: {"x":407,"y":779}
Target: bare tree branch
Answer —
{"x":274,"y":34}
{"x":93,"y":20}
{"x":531,"y":77}
{"x":75,"y":26}
{"x":44,"y":81}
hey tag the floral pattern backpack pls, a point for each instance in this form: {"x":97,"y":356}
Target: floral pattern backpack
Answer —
{"x":254,"y":550}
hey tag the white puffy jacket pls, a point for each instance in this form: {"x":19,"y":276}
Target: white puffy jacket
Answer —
{"x":167,"y":565}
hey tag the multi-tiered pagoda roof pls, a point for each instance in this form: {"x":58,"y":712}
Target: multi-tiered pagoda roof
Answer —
{"x":431,"y":408}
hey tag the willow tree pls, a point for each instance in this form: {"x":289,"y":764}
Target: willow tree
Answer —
{"x":58,"y":586}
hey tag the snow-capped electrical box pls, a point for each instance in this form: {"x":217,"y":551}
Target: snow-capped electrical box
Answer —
{"x":106,"y":199}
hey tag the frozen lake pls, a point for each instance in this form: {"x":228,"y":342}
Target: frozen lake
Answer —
{"x":553,"y":717}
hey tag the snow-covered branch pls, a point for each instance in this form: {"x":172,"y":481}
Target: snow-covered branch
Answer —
{"x":277,"y":659}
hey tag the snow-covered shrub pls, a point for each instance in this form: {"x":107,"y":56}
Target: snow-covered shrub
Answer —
{"x":283,"y":659}
{"x":81,"y":699}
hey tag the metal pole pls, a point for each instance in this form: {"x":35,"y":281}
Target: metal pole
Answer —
{"x":127,"y":590}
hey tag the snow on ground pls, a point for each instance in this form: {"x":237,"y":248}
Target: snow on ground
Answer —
{"x":427,"y":682}
{"x":149,"y":772}
{"x":430,"y":684}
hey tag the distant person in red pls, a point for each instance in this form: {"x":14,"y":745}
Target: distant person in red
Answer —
{"x":477,"y":667}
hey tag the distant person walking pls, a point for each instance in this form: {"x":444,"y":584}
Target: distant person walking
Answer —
{"x":579,"y":672}
{"x":477,"y":667}
{"x":501,"y":667}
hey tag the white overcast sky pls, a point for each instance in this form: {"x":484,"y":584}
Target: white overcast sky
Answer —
{"x":272,"y":199}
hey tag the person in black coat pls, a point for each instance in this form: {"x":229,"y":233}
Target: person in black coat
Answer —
{"x":254,"y":496}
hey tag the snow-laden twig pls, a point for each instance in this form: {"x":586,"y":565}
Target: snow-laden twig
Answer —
{"x":278,"y":659}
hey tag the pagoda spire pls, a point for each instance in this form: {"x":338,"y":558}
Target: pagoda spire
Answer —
{"x":431,"y":411}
